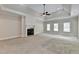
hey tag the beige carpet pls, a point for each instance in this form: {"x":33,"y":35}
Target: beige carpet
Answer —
{"x":38,"y":45}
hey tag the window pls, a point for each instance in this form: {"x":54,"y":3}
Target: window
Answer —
{"x":48,"y":27}
{"x":67,"y":27}
{"x":56,"y":27}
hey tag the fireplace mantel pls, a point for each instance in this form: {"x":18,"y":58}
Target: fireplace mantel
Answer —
{"x":30,"y":26}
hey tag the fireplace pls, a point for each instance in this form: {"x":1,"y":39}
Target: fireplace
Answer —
{"x":30,"y":31}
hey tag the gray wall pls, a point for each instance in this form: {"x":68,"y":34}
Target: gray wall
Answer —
{"x":73,"y":27}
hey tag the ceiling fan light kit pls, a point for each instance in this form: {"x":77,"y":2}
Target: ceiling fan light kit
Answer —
{"x":45,"y":12}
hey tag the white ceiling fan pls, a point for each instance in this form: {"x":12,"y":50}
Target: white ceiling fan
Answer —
{"x":45,"y":13}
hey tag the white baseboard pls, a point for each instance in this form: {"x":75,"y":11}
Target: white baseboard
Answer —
{"x":6,"y":38}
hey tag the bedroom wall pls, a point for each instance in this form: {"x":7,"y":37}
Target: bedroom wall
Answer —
{"x":73,"y":27}
{"x":78,"y":27}
{"x":10,"y":25}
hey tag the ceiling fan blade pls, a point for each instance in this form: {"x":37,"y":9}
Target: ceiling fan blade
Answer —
{"x":44,"y":13}
{"x":48,"y":14}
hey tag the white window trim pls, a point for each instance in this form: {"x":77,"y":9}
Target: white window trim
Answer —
{"x":48,"y":27}
{"x":66,"y":27}
{"x":56,"y":27}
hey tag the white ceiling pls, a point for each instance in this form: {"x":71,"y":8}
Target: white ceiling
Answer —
{"x":37,"y":9}
{"x":75,"y":9}
{"x":49,"y":7}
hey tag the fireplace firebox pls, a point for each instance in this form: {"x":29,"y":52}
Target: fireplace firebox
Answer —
{"x":30,"y":31}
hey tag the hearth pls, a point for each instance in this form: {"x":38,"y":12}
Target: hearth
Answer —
{"x":30,"y":31}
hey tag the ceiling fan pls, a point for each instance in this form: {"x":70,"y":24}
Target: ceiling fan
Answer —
{"x":45,"y":12}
